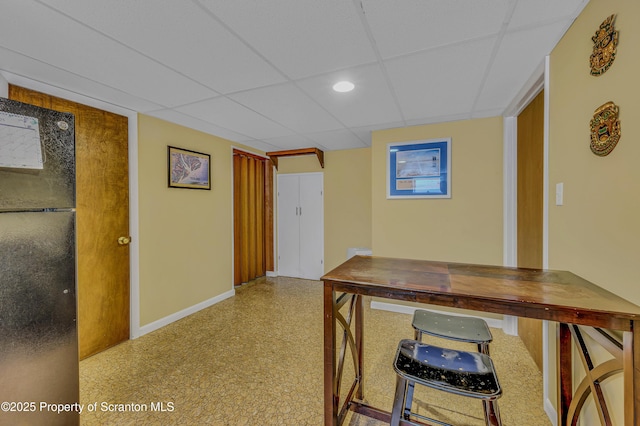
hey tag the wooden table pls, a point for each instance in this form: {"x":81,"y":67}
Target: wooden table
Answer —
{"x":543,"y":294}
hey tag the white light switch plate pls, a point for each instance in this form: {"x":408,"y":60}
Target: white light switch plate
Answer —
{"x":559,"y":194}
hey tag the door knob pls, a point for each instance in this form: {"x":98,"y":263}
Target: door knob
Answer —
{"x":123,"y":241}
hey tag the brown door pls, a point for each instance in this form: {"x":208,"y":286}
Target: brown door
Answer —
{"x":252,"y":216}
{"x":102,"y":216}
{"x":530,"y":208}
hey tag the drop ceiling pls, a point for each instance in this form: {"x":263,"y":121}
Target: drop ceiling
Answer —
{"x":260,"y":72}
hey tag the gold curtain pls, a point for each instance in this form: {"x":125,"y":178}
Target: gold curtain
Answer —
{"x":253,"y":216}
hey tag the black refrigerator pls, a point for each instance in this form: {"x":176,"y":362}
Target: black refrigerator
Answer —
{"x":39,"y":379}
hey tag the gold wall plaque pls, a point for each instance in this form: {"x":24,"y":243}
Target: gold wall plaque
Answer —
{"x":605,"y":129}
{"x":605,"y":43}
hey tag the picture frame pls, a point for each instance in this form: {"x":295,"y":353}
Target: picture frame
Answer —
{"x":419,"y":169}
{"x":188,"y":169}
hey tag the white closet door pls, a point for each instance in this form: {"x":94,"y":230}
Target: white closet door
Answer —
{"x":311,"y":226}
{"x":288,"y":226}
{"x":301,"y":225}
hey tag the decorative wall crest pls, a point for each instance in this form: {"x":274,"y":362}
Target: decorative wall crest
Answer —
{"x":605,"y":43}
{"x":605,"y":129}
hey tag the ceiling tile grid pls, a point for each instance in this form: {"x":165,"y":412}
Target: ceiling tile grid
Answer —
{"x":371,"y":102}
{"x":229,"y":114}
{"x":520,"y":53}
{"x":180,"y":35}
{"x":300,"y":37}
{"x":75,"y":48}
{"x":14,"y":65}
{"x":542,"y":11}
{"x":289,"y":106}
{"x":260,"y":72}
{"x":418,"y":25}
{"x":198,"y":124}
{"x":337,"y":139}
{"x":292,"y":141}
{"x":440,"y":82}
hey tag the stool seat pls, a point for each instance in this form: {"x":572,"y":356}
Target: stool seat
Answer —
{"x":470,"y":374}
{"x":464,"y":373}
{"x":453,"y":327}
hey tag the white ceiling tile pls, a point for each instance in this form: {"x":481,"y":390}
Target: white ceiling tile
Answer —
{"x":300,"y":37}
{"x":43,"y":73}
{"x":370,"y":102}
{"x":416,"y":25}
{"x":230,"y":115}
{"x":530,"y":12}
{"x":337,"y":139}
{"x":290,"y":142}
{"x":440,"y":119}
{"x":197,"y":124}
{"x":364,"y":133}
{"x":260,"y":145}
{"x":486,"y":113}
{"x":260,"y":72}
{"x":520,"y":54}
{"x":440,"y":82}
{"x":289,"y":106}
{"x":75,"y":48}
{"x":180,"y":35}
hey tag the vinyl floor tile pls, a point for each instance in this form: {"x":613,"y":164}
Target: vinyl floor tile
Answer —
{"x":256,"y":359}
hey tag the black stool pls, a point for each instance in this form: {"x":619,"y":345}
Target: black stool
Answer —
{"x":470,"y":374}
{"x":461,"y":329}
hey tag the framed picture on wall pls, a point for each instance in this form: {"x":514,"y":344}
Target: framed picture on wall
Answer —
{"x":419,"y":169}
{"x":188,"y":169}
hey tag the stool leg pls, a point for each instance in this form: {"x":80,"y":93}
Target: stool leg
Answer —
{"x":491,"y":413}
{"x":398,"y":401}
{"x":418,"y":335}
{"x":483,"y":348}
{"x":408,"y":399}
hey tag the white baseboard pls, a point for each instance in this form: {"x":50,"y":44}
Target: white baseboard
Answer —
{"x":403,"y":309}
{"x":272,"y":273}
{"x":551,"y":412}
{"x":510,"y":325}
{"x":183,"y":313}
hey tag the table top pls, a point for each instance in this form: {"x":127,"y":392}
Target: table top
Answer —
{"x":544,"y":294}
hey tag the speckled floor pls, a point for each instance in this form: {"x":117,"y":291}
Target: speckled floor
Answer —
{"x":256,"y":359}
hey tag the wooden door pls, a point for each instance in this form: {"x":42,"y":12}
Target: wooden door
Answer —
{"x":530,"y":208}
{"x":102,"y":216}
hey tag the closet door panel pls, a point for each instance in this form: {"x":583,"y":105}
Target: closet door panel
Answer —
{"x":311,"y":226}
{"x":288,"y":226}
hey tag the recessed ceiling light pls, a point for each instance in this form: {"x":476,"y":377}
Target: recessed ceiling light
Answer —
{"x":343,"y":86}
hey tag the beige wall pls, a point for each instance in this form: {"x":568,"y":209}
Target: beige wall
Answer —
{"x":595,"y":232}
{"x":185,"y":234}
{"x":347,"y":199}
{"x":465,"y":228}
